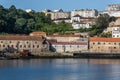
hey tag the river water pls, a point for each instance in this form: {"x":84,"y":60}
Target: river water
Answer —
{"x":60,"y":69}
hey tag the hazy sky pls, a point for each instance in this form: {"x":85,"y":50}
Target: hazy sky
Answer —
{"x":66,"y":5}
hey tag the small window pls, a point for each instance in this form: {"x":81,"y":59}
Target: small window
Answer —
{"x":3,"y":45}
{"x":27,"y":42}
{"x":98,"y":42}
{"x":28,"y":46}
{"x":33,"y":46}
{"x":10,"y":42}
{"x":20,"y":46}
{"x":24,"y":46}
{"x":93,"y":43}
{"x":114,"y":47}
{"x":77,"y":46}
{"x":37,"y":46}
{"x":35,"y":42}
{"x":1,"y":41}
{"x":114,"y":43}
{"x":12,"y":46}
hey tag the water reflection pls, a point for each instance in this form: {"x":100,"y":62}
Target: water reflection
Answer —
{"x":60,"y":69}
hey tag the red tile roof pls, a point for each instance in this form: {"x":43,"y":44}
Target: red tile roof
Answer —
{"x":37,"y":33}
{"x":116,"y":26}
{"x":20,"y":38}
{"x":98,"y":39}
{"x":63,"y":35}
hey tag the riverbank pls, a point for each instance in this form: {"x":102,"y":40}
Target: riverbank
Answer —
{"x":63,"y":55}
{"x":36,"y":55}
{"x":97,"y":55}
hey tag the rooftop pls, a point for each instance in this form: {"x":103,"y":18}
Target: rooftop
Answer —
{"x":38,"y":32}
{"x":17,"y":37}
{"x":98,"y":39}
{"x":65,"y":35}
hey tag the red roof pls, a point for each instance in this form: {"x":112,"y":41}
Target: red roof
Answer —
{"x":66,"y":35}
{"x":70,"y":43}
{"x":20,"y":38}
{"x":38,"y":32}
{"x":116,"y":26}
{"x":98,"y":39}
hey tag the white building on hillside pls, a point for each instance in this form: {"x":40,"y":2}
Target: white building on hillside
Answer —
{"x":116,"y":31}
{"x":79,"y":25}
{"x":113,"y":7}
{"x":76,"y":18}
{"x":85,"y":13}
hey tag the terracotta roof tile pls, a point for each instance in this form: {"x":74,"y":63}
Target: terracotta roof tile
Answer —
{"x":64,"y":35}
{"x":97,"y":39}
{"x":38,"y":32}
{"x":20,"y":38}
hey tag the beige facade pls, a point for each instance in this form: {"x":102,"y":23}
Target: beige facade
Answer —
{"x":64,"y":38}
{"x":57,"y":14}
{"x":70,"y":46}
{"x":20,"y":43}
{"x":85,"y":13}
{"x":104,"y":45}
{"x":113,"y":7}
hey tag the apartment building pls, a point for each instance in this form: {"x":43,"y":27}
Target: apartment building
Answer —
{"x":85,"y":13}
{"x":56,"y":14}
{"x":116,"y":31}
{"x":113,"y":7}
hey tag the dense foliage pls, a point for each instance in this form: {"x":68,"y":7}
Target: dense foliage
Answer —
{"x":18,"y":21}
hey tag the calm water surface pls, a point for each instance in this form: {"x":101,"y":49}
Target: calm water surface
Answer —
{"x":60,"y":69}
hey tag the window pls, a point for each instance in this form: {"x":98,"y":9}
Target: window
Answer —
{"x":1,"y":41}
{"x":24,"y":46}
{"x":98,"y":42}
{"x":28,"y":46}
{"x":93,"y":43}
{"x":3,"y":45}
{"x":37,"y":46}
{"x":33,"y":46}
{"x":27,"y":42}
{"x":12,"y":46}
{"x":114,"y":43}
{"x":10,"y":42}
{"x":35,"y":42}
{"x":114,"y":47}
{"x":77,"y":46}
{"x":20,"y":46}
